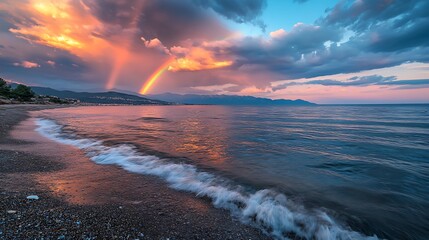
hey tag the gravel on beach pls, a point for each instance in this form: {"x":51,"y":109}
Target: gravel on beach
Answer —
{"x":131,"y":206}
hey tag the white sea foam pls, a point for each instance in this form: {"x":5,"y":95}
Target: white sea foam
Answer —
{"x":268,"y":210}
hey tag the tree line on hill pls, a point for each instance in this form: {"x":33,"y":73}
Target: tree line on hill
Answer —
{"x":21,"y":92}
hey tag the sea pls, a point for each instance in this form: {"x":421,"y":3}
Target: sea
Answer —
{"x":314,"y":172}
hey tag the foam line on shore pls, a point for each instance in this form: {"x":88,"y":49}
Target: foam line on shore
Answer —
{"x":266,"y":209}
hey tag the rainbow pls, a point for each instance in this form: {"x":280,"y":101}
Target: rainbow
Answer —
{"x":120,"y":60}
{"x":123,"y":55}
{"x":151,"y":80}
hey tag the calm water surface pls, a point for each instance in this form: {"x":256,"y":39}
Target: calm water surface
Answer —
{"x":368,"y":166}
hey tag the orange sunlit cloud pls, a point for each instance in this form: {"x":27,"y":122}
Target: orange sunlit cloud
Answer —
{"x":187,"y":59}
{"x":117,"y":44}
{"x":57,"y":25}
{"x":65,"y":25}
{"x":27,"y":64}
{"x":196,"y":59}
{"x":70,"y":26}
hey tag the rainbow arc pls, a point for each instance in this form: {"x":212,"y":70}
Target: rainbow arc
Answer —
{"x":152,"y":79}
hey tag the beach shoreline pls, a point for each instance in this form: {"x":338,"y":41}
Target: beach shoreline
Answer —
{"x":79,"y":199}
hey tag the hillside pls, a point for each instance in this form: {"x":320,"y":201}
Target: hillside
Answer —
{"x":227,"y":100}
{"x":100,"y":97}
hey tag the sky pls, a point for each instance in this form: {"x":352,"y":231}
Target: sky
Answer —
{"x":331,"y":51}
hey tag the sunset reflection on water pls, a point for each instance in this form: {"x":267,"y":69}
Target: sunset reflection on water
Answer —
{"x":175,"y":130}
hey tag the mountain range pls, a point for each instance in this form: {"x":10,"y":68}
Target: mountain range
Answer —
{"x":226,"y":100}
{"x":99,"y":97}
{"x":125,"y":97}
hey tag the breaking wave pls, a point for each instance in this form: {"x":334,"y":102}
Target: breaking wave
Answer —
{"x":266,"y":209}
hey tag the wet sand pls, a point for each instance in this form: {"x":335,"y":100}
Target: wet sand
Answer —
{"x":79,"y":199}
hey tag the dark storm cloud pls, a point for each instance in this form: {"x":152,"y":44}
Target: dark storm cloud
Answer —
{"x":8,"y":20}
{"x":349,"y":58}
{"x":388,"y":37}
{"x":383,"y":25}
{"x":360,"y":15}
{"x":240,"y":11}
{"x":69,"y":67}
{"x":280,"y":54}
{"x":384,"y":34}
{"x":355,"y":81}
{"x":287,"y":46}
{"x":172,"y":21}
{"x":358,"y":81}
{"x":116,"y":12}
{"x":51,"y":63}
{"x":168,"y":20}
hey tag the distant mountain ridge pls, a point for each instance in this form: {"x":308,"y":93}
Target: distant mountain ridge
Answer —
{"x":227,"y":100}
{"x":99,"y":97}
{"x":126,"y":97}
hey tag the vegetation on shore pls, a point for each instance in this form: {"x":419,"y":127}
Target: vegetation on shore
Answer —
{"x":23,"y":94}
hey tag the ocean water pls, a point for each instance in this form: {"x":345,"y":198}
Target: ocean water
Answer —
{"x":320,"y":172}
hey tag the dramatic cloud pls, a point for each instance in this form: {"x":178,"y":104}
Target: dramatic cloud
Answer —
{"x":155,"y":44}
{"x":357,"y":81}
{"x":361,"y":15}
{"x":240,"y":11}
{"x":105,"y":44}
{"x":382,"y":34}
{"x":58,"y":24}
{"x":198,"y":59}
{"x":170,"y":21}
